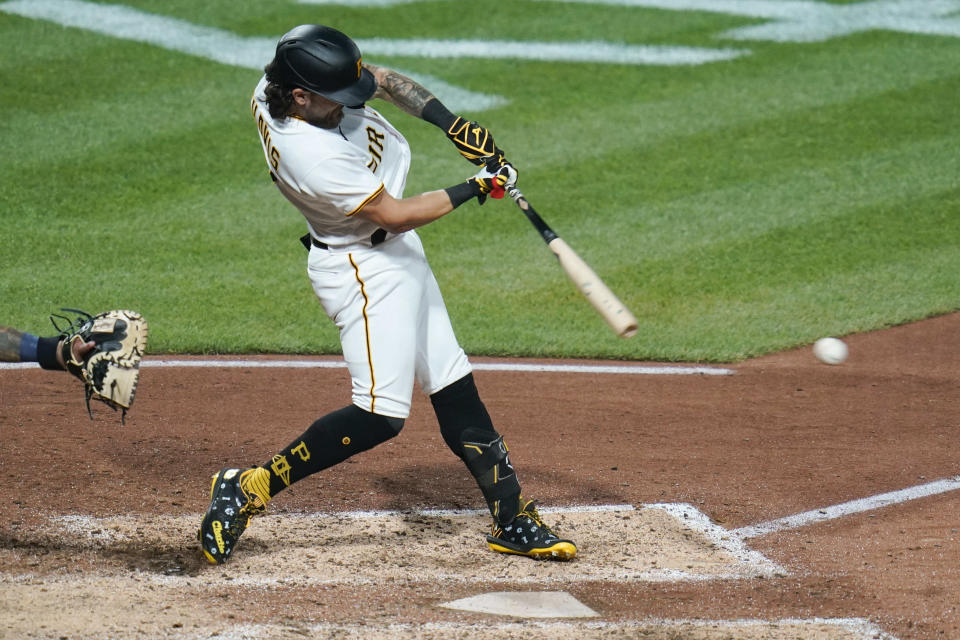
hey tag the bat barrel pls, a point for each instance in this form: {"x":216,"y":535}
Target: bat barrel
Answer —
{"x":603,"y":300}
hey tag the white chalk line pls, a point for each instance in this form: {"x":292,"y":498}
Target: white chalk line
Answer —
{"x":595,"y":51}
{"x":859,"y":626}
{"x":791,"y":20}
{"x":848,"y":508}
{"x":223,"y":46}
{"x":126,"y":23}
{"x":454,"y":513}
{"x":655,"y":370}
{"x":698,"y":521}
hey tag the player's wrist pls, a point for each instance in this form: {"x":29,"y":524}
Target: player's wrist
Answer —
{"x":47,"y":352}
{"x":460,"y":193}
{"x":437,"y":114}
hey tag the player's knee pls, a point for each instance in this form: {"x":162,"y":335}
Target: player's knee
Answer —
{"x":394,"y":423}
{"x":364,"y":429}
{"x":380,"y":426}
{"x":459,"y":408}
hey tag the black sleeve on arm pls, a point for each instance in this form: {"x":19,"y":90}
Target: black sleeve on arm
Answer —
{"x":47,"y":353}
{"x":435,"y":113}
{"x":460,"y":193}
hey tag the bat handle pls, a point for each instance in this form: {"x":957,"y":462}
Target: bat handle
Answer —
{"x":542,"y":227}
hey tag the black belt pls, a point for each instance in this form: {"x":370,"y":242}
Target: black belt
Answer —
{"x":377,"y":238}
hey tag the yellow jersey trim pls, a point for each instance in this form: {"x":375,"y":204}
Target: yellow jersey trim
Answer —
{"x":368,"y":199}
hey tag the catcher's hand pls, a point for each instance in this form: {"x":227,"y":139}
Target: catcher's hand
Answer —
{"x":110,"y":369}
{"x":475,"y":143}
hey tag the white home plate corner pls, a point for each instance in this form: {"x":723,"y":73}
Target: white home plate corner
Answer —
{"x":525,"y":604}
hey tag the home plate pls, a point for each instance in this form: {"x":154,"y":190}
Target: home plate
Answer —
{"x":525,"y":604}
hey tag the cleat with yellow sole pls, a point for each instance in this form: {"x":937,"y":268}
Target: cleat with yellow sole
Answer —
{"x":527,"y":535}
{"x":231,"y":507}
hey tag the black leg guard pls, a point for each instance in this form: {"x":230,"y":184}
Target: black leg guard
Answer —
{"x":489,"y":463}
{"x":329,"y":441}
{"x":468,"y":431}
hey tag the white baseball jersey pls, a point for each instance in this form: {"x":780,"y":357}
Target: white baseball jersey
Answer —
{"x":384,"y":299}
{"x":329,"y":174}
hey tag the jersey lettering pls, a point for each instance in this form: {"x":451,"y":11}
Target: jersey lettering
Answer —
{"x":374,"y":160}
{"x":375,"y":139}
{"x":272,"y":153}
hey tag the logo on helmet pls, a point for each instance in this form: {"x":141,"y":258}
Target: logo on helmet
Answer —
{"x":359,"y":67}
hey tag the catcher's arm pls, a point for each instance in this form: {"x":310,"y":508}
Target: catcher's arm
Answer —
{"x":19,"y":346}
{"x":475,"y":143}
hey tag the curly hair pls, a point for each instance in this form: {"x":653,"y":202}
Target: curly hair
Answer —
{"x":279,"y":96}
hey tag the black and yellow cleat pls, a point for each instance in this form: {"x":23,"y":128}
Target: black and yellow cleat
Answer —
{"x":233,"y":502}
{"x":527,"y":535}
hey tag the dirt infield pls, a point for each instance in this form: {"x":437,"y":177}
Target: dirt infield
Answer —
{"x":656,"y":477}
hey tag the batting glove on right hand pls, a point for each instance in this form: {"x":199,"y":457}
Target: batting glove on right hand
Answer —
{"x":497,"y":174}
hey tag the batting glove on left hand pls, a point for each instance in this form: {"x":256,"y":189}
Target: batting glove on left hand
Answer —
{"x":497,"y":174}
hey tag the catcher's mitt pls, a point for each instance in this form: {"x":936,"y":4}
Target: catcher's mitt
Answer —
{"x":111,"y":370}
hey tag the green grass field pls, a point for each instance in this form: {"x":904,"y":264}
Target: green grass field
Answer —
{"x":738,"y":206}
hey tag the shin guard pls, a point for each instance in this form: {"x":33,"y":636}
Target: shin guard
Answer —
{"x":468,"y":431}
{"x":487,"y":457}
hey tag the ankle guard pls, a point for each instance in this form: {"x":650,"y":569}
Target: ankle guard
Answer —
{"x":486,"y":455}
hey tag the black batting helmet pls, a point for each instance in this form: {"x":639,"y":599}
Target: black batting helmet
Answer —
{"x":324,"y":61}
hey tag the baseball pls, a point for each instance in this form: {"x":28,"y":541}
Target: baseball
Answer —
{"x":830,"y":350}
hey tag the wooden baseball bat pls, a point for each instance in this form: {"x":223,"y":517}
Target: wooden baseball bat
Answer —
{"x":623,"y":323}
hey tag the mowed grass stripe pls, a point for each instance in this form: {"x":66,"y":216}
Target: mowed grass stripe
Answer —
{"x":646,"y":106}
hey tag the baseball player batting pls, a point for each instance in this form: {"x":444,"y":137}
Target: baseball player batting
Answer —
{"x":344,"y":167}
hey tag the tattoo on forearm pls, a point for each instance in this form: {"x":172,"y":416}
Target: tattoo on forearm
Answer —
{"x":398,"y":89}
{"x":10,"y":340}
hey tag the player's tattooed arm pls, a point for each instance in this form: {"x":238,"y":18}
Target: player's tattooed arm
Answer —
{"x":399,"y":90}
{"x":10,"y":340}
{"x":475,"y":143}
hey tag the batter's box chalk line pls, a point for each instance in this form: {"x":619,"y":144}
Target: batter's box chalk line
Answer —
{"x":779,"y":629}
{"x":852,"y":507}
